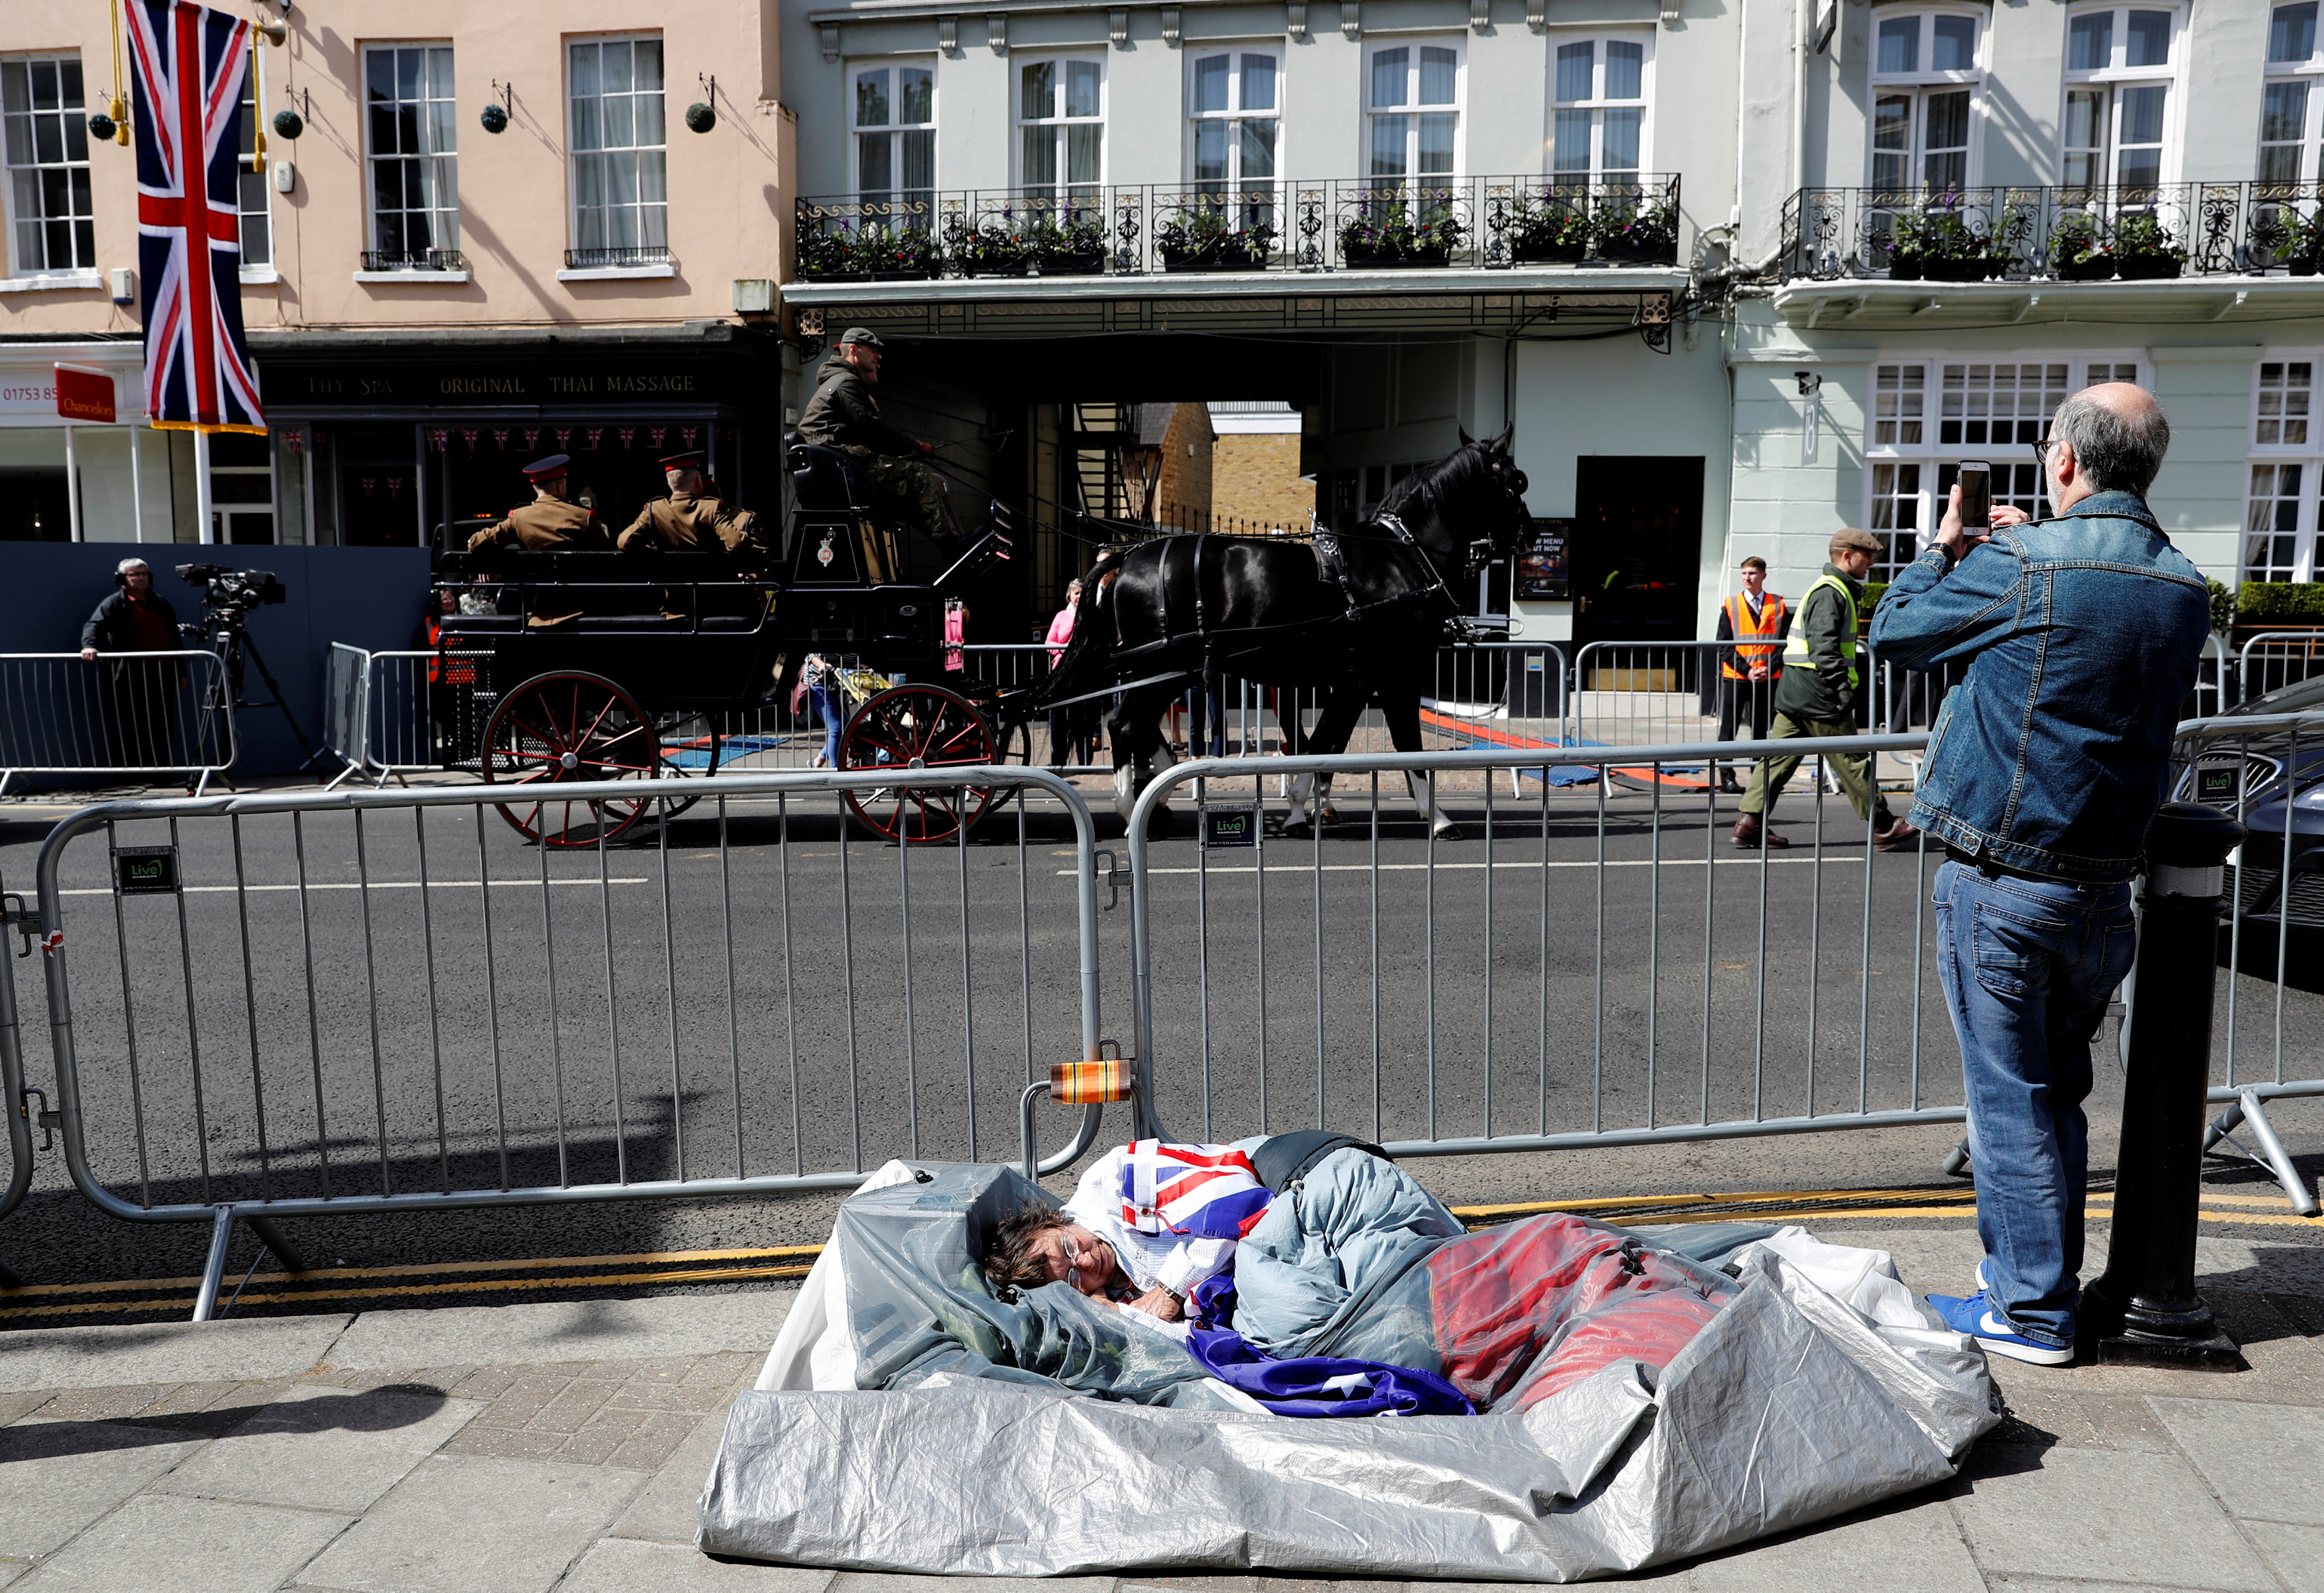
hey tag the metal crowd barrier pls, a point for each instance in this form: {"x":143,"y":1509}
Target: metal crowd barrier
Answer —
{"x":382,"y":714}
{"x":2276,"y":883}
{"x":1608,"y":969}
{"x":314,"y":1004}
{"x":14,"y":1099}
{"x":143,"y":713}
{"x":2273,"y":660}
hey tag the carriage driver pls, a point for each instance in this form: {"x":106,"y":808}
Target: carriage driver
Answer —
{"x":843,"y":415}
{"x":692,"y":518}
{"x":552,"y":521}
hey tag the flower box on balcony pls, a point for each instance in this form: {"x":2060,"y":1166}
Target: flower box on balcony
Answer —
{"x":2098,"y":268}
{"x":1903,"y":267}
{"x":1366,"y":258}
{"x":1524,"y":253}
{"x":1662,"y":252}
{"x":1089,"y":262}
{"x":2148,"y":268}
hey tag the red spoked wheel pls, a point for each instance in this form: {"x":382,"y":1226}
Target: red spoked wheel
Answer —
{"x":917,"y":727}
{"x":564,"y":728}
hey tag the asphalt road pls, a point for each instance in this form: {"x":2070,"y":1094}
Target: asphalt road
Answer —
{"x":760,"y":998}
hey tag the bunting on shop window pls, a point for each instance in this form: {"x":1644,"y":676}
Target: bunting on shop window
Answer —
{"x":628,"y":435}
{"x":468,"y":434}
{"x":564,"y":438}
{"x":657,"y":434}
{"x":187,"y":66}
{"x":596,"y":434}
{"x":500,"y":437}
{"x":532,"y":439}
{"x":687,"y":434}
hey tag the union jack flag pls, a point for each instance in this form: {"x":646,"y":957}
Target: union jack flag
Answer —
{"x":189,"y":66}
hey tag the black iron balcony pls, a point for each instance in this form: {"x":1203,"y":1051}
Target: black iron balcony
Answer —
{"x":414,"y":260}
{"x":2073,"y":235}
{"x":1346,"y":224}
{"x":627,"y":257}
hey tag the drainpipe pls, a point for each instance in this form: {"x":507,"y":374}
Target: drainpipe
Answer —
{"x":1800,"y":27}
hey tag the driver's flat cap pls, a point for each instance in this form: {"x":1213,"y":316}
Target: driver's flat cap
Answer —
{"x":864,"y":335}
{"x":545,"y":469}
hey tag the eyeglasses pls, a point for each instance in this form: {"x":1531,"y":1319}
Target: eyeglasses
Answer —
{"x":2042,"y":451}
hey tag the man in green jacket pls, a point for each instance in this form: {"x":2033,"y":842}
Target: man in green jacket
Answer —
{"x":844,"y":414}
{"x":1816,"y":696}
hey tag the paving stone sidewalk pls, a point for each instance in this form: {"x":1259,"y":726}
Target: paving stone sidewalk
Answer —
{"x":509,"y":1472}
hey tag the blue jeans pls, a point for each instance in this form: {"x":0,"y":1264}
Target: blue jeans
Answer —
{"x":834,"y":718}
{"x":2028,"y":966}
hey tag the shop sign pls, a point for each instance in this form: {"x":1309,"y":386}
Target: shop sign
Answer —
{"x":85,"y":397}
{"x":1541,"y":573}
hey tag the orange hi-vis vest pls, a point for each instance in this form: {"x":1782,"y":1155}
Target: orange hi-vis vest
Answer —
{"x":1770,"y":623}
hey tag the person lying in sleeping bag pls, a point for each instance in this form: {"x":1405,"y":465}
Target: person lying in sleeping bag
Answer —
{"x":1147,"y":1226}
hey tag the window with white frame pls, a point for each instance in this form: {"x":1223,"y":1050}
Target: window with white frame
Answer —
{"x":621,"y":190}
{"x":1061,"y":127}
{"x":1236,"y":122}
{"x":2287,"y":452}
{"x":257,"y":224}
{"x":410,"y":115}
{"x":1927,"y":74}
{"x":44,"y":145}
{"x":1927,"y":416}
{"x":2292,"y":102}
{"x":1597,"y":127}
{"x":2116,"y":130}
{"x":1413,"y":102}
{"x":895,"y":116}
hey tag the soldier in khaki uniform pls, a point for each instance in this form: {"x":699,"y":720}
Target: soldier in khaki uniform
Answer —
{"x":552,"y":521}
{"x":691,"y":519}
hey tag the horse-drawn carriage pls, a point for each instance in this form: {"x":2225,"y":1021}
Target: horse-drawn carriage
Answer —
{"x":609,"y":666}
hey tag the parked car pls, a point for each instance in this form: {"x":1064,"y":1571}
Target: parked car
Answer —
{"x":2275,"y":785}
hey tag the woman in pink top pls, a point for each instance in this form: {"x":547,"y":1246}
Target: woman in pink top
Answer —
{"x":1061,"y":633}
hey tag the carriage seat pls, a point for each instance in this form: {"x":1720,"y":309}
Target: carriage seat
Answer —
{"x":824,"y":479}
{"x":593,"y":624}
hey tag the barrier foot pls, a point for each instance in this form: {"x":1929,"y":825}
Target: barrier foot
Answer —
{"x":1957,"y":1162}
{"x":272,"y":1237}
{"x":2272,"y":1155}
{"x":213,"y":1268}
{"x":1033,"y":1093}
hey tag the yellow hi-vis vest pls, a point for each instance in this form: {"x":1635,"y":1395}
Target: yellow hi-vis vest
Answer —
{"x":1795,"y":644}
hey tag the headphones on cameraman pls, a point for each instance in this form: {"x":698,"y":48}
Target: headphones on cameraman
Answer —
{"x":121,"y":571}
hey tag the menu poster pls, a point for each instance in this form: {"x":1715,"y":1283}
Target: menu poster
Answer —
{"x":1541,"y":575}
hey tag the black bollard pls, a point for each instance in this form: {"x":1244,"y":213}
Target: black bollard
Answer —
{"x":2143,"y":1310}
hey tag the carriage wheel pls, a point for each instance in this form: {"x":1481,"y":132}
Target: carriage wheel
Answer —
{"x":917,"y":727}
{"x":1014,"y":738}
{"x":563,"y":729}
{"x":690,"y":745}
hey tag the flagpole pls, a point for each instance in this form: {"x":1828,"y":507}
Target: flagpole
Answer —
{"x":136,"y":484}
{"x":72,"y":486}
{"x":203,"y":522}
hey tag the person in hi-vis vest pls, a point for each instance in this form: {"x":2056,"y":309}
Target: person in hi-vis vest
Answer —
{"x":1816,"y":695}
{"x":1752,"y":621}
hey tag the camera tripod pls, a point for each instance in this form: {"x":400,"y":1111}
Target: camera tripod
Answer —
{"x":227,"y":630}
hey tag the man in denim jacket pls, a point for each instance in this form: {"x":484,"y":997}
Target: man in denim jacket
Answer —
{"x":2046,"y":767}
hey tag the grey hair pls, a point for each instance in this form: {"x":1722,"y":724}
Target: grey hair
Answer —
{"x":2118,"y":453}
{"x":128,"y":565}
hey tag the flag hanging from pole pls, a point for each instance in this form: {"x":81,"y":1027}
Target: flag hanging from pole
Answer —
{"x":187,"y":71}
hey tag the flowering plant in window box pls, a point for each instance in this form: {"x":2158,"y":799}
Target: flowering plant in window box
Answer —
{"x":1643,"y":233}
{"x":2282,"y":235}
{"x":1391,"y":234}
{"x":1002,"y":248}
{"x":1941,"y":245}
{"x":1073,"y":247}
{"x":2077,"y":254}
{"x":2143,"y":248}
{"x":1203,"y":240}
{"x":1557,"y":232}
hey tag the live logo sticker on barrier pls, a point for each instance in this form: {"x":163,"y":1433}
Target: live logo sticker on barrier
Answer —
{"x":145,"y":871}
{"x":1231,"y":826}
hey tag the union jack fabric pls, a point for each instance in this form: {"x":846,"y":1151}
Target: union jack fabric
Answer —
{"x":188,"y":64}
{"x":1205,"y":1190}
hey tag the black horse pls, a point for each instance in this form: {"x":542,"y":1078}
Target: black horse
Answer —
{"x":1357,"y":611}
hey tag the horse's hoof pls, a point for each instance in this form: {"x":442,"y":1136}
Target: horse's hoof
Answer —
{"x":1161,"y":821}
{"x":1327,"y":814}
{"x":1297,"y":826}
{"x":1447,"y":832}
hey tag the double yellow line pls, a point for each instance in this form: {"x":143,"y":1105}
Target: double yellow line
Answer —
{"x":758,"y":1264}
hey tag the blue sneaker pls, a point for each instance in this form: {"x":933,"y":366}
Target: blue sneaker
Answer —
{"x":1975,"y":1317}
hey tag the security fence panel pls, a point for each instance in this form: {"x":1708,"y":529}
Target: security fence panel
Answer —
{"x":298,"y":1005}
{"x":1592,"y":963}
{"x":121,"y":714}
{"x":15,"y":1101}
{"x":2273,"y":660}
{"x":2267,"y":770}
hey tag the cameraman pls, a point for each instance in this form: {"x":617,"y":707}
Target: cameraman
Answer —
{"x":136,"y":618}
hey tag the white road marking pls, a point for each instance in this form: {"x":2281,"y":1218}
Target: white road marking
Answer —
{"x":375,"y":885}
{"x":1637,"y":862}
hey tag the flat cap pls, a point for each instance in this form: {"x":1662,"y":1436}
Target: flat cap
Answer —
{"x":545,"y":469}
{"x":1852,"y":539}
{"x":861,"y":334}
